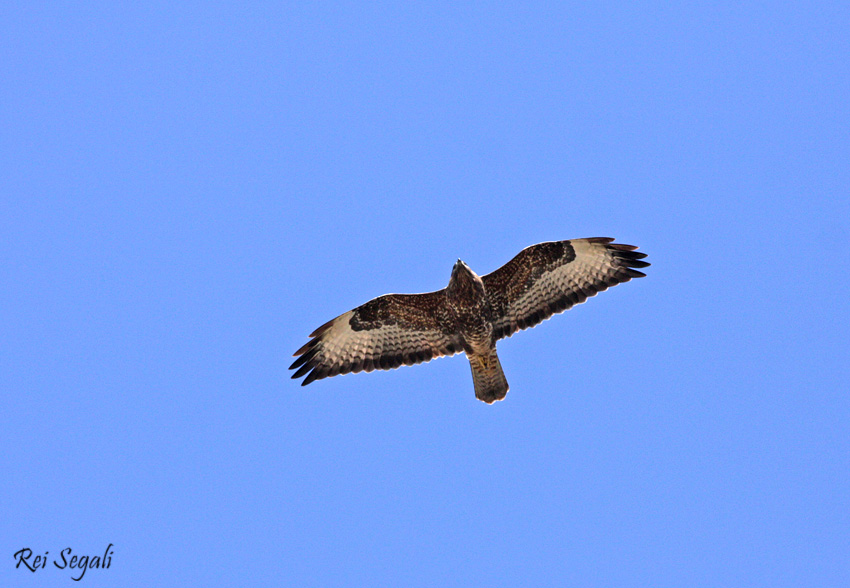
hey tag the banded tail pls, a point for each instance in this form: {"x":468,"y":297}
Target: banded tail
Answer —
{"x":488,"y":377}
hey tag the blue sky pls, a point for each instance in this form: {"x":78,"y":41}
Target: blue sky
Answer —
{"x":187,"y":191}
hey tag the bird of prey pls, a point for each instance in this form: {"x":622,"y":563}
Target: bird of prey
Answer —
{"x":470,"y":314}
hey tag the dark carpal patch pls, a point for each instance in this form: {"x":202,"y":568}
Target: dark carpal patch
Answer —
{"x":372,"y":315}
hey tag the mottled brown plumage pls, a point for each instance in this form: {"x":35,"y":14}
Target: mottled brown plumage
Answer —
{"x":470,"y":314}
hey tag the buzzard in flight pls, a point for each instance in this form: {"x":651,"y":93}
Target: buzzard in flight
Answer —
{"x":470,"y":314}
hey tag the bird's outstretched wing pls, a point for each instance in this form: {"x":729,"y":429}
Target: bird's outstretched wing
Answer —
{"x":549,"y":278}
{"x":383,"y":334}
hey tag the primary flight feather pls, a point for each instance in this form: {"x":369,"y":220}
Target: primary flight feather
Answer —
{"x":470,"y":314}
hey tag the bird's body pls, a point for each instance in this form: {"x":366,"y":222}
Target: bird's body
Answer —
{"x":470,"y":308}
{"x":471,"y":314}
{"x":466,"y":297}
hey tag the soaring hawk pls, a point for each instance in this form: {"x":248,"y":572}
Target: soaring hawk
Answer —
{"x":470,"y":314}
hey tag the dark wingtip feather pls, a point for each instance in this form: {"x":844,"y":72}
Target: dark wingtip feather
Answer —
{"x":307,"y":355}
{"x":303,"y":370}
{"x":629,"y":254}
{"x":304,"y":348}
{"x":318,"y":332}
{"x":314,"y":375}
{"x":303,"y":359}
{"x":627,"y":258}
{"x":622,"y":246}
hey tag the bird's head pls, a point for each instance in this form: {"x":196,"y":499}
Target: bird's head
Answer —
{"x":465,"y":281}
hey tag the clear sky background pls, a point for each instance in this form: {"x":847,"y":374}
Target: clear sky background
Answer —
{"x":188,"y":190}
